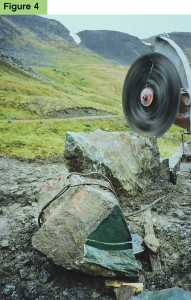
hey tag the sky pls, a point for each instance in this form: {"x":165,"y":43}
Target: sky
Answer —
{"x":142,"y":26}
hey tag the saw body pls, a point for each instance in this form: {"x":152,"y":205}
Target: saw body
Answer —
{"x":156,"y":91}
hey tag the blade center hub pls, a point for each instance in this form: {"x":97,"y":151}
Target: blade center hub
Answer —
{"x":146,"y":97}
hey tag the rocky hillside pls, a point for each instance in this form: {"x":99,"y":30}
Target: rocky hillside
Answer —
{"x":45,"y":29}
{"x":11,"y":61}
{"x":39,"y":41}
{"x":32,"y":38}
{"x":120,"y":47}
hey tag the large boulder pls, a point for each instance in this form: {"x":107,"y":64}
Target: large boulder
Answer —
{"x":83,"y":227}
{"x":131,"y":162}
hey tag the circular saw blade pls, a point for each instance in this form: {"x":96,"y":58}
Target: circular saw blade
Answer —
{"x":151,"y":113}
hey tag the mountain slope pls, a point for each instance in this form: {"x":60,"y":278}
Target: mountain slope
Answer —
{"x":120,"y":47}
{"x":33,"y":39}
{"x":43,"y":28}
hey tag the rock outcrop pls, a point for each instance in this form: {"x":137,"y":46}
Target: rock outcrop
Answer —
{"x":131,"y":162}
{"x":12,"y":61}
{"x":118,"y":46}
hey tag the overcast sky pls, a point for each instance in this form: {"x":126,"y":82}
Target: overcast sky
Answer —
{"x":142,"y":26}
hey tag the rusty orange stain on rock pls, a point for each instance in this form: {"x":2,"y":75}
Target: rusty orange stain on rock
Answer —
{"x":78,"y":199}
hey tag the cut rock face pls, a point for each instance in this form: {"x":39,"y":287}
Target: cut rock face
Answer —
{"x":84,"y":227}
{"x":130,"y":162}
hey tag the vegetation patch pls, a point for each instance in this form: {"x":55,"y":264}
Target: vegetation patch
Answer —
{"x":171,"y":141}
{"x":46,"y":138}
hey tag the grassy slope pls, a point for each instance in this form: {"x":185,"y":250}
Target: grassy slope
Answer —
{"x":75,"y":78}
{"x":46,"y":138}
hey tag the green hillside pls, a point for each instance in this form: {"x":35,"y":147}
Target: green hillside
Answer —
{"x":73,"y":81}
{"x":74,"y":77}
{"x":77,"y":79}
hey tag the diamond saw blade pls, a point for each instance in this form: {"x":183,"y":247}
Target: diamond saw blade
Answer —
{"x":151,"y":94}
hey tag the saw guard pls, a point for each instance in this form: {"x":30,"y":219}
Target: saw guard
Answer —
{"x":175,"y":54}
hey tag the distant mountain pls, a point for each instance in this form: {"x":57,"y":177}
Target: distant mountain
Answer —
{"x":45,"y":29}
{"x":32,"y":38}
{"x":120,"y":47}
{"x":183,"y":39}
{"x":39,"y":41}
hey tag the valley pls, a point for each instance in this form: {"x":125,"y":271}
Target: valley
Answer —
{"x":47,"y":75}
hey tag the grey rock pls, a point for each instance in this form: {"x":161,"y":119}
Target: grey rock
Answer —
{"x":137,"y":241}
{"x":118,"y":46}
{"x":185,"y":167}
{"x":129,"y":161}
{"x":65,"y":293}
{"x":69,"y":221}
{"x":10,"y":286}
{"x":23,"y":273}
{"x":95,"y":295}
{"x":19,"y":193}
{"x":179,"y":214}
{"x":175,"y":163}
{"x":44,"y":276}
{"x":7,"y":291}
{"x":183,"y":179}
{"x":4,"y":244}
{"x":15,"y":296}
{"x":164,"y":169}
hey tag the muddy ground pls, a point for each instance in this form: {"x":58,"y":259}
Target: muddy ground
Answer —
{"x":27,"y":274}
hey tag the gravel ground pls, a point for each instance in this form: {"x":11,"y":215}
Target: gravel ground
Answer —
{"x":27,"y":274}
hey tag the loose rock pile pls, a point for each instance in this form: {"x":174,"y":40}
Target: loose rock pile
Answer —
{"x":26,"y":273}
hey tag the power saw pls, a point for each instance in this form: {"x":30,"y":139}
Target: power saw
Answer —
{"x":157,"y":89}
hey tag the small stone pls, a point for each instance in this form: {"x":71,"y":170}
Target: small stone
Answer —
{"x":19,"y":193}
{"x":4,"y":244}
{"x":23,"y":273}
{"x":44,"y":276}
{"x":14,"y":296}
{"x":152,"y":242}
{"x":179,"y":214}
{"x":189,"y":277}
{"x":95,"y":295}
{"x":6,"y":292}
{"x":31,"y":276}
{"x":10,"y":286}
{"x":27,"y":262}
{"x":137,"y":241}
{"x":153,"y":287}
{"x":172,"y":280}
{"x":65,"y":293}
